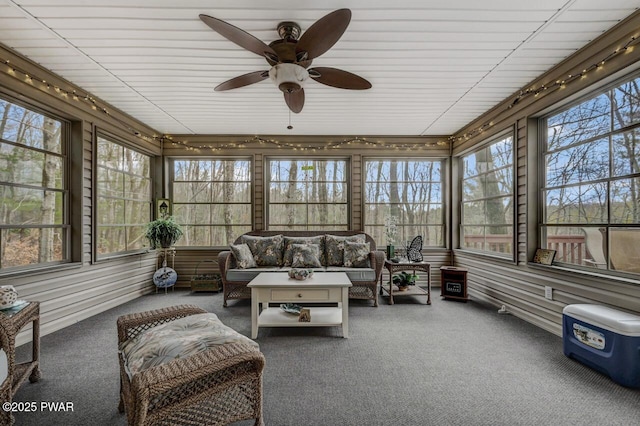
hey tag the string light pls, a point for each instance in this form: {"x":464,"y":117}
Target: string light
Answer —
{"x":558,"y":83}
{"x":185,"y":144}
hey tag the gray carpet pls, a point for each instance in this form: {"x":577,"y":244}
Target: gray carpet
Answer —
{"x":450,"y":363}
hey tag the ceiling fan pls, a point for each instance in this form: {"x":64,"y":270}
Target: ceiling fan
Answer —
{"x":291,"y":56}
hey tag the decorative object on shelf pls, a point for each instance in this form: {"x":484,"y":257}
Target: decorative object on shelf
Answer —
{"x":163,"y":208}
{"x":414,"y":250}
{"x":544,"y":256}
{"x":405,"y":279}
{"x":291,"y":308}
{"x":300,"y":274}
{"x":8,"y":296}
{"x":165,"y":277}
{"x":206,"y":282}
{"x":391,"y":232}
{"x":163,"y":232}
{"x":305,"y":315}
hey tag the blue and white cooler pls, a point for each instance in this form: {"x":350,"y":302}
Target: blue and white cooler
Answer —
{"x":604,"y":339}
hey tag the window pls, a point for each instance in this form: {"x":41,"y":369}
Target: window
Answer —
{"x":409,"y":191}
{"x":487,"y":198}
{"x":34,"y":195}
{"x":123,"y":198}
{"x":306,"y":194}
{"x":592,"y":181}
{"x":212,"y":200}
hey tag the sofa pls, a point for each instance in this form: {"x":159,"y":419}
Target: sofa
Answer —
{"x":283,"y":250}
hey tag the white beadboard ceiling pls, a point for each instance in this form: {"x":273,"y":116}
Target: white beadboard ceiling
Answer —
{"x":435,"y":65}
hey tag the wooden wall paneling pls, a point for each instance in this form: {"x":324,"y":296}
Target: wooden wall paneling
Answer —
{"x":357,"y":200}
{"x":70,"y":293}
{"x":521,"y":190}
{"x":259,"y":216}
{"x":521,"y":286}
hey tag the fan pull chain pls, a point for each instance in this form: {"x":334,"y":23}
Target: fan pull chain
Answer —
{"x":289,"y":126}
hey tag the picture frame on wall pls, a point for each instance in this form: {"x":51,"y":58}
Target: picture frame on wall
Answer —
{"x":163,"y":208}
{"x":544,"y":256}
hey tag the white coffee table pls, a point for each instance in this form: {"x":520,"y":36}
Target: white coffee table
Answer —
{"x":277,"y":287}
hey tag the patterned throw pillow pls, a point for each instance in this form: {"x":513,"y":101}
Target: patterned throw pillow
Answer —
{"x":289,"y":241}
{"x":356,"y":255}
{"x":305,"y":256}
{"x":267,"y":251}
{"x":244,"y":258}
{"x":335,"y":247}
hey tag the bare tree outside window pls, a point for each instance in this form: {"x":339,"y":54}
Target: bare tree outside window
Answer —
{"x":411,"y":192}
{"x":212,"y":200}
{"x":487,"y":198}
{"x":592,"y":181}
{"x":307,"y":194}
{"x":123,"y":197}
{"x":33,"y":192}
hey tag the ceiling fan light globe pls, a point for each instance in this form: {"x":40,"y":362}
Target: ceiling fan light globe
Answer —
{"x":288,"y":77}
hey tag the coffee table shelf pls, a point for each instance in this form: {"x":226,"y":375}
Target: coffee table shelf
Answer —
{"x":323,"y":288}
{"x":320,"y":317}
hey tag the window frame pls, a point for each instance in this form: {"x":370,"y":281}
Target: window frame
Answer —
{"x":110,"y":137}
{"x":171,"y":181}
{"x":488,"y":142}
{"x":443,"y":204}
{"x":267,"y":183}
{"x":542,"y":152}
{"x":66,"y":155}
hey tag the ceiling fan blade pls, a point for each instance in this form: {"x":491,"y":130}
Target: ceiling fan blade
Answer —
{"x":295,"y":100}
{"x":238,"y":36}
{"x":341,"y":79}
{"x":324,"y":33}
{"x":242,"y":80}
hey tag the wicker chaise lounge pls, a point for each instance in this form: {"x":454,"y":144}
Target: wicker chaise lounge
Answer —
{"x":364,"y":280}
{"x":217,"y":386}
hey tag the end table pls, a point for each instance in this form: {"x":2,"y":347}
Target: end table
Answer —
{"x":12,"y":321}
{"x":414,"y":290}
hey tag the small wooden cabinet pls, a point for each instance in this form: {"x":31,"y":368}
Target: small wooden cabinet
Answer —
{"x":453,"y":282}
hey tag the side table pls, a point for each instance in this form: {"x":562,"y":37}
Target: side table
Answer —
{"x":12,"y":321}
{"x":414,"y":290}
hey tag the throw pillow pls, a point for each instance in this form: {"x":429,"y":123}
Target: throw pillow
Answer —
{"x":267,"y":251}
{"x":356,"y":255}
{"x":305,"y":256}
{"x":288,"y":250}
{"x":244,"y":258}
{"x":335,"y":247}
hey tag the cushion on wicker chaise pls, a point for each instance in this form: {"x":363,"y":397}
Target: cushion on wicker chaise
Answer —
{"x":177,"y":339}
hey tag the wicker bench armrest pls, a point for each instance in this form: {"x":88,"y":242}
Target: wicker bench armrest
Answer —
{"x":129,"y":326}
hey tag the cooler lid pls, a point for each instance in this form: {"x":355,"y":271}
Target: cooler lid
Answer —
{"x":606,"y":317}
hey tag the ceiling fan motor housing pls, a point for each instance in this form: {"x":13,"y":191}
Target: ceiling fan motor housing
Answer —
{"x":288,"y":77}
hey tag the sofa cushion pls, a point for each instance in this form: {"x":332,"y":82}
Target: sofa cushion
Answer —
{"x":267,"y":251}
{"x":355,"y":274}
{"x":243,"y":255}
{"x":177,"y":339}
{"x":245,"y":275}
{"x":288,"y":249}
{"x":305,"y":256}
{"x":356,"y":255}
{"x":334,"y":246}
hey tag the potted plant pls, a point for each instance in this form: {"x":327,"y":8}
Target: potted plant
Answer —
{"x":163,"y":232}
{"x":404,"y":279}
